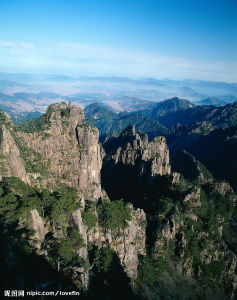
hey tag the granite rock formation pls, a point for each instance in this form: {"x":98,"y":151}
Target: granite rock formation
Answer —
{"x":66,"y":148}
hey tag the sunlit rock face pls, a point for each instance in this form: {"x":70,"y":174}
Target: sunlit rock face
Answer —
{"x":134,"y":148}
{"x":11,"y":162}
{"x":68,"y":149}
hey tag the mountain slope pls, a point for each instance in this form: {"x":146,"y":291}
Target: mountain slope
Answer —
{"x":216,"y":149}
{"x":167,"y":106}
{"x":109,"y":123}
{"x":223,"y":116}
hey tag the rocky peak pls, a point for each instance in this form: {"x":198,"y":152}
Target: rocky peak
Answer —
{"x":61,"y":149}
{"x":133,"y":163}
{"x":134,"y":148}
{"x":62,"y":112}
{"x":129,"y":138}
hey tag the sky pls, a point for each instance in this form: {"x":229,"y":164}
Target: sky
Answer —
{"x":177,"y":39}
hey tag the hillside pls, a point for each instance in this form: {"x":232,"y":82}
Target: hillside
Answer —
{"x":223,"y":116}
{"x":110,"y":123}
{"x":145,"y":120}
{"x":113,"y":223}
{"x":216,"y":149}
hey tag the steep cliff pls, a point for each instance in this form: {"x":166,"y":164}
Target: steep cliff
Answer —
{"x":127,"y":240}
{"x":60,"y":149}
{"x":11,"y":163}
{"x":60,"y":158}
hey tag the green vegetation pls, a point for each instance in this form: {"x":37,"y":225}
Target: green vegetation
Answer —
{"x":67,"y":248}
{"x":46,"y":136}
{"x":17,"y":199}
{"x":35,"y":125}
{"x":147,"y":273}
{"x":65,"y":202}
{"x":3,"y":170}
{"x":34,"y":162}
{"x":215,"y":206}
{"x":107,"y":277}
{"x":113,"y":215}
{"x":2,"y":117}
{"x":64,"y":112}
{"x":89,"y":217}
{"x":165,"y":204}
{"x":197,"y":224}
{"x":211,"y":274}
{"x":103,"y":257}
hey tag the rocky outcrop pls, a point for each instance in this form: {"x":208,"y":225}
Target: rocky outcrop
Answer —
{"x":133,"y":164}
{"x":134,"y":149}
{"x":197,"y":247}
{"x":11,"y":163}
{"x":70,"y":148}
{"x":127,"y":243}
{"x":82,"y":230}
{"x":39,"y":226}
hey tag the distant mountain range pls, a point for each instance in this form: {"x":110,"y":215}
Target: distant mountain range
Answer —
{"x":31,"y":92}
{"x":162,"y":116}
{"x":211,"y":101}
{"x":223,"y":116}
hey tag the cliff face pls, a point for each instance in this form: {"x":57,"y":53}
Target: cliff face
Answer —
{"x":187,"y":220}
{"x":127,"y":243}
{"x":66,"y":150}
{"x":11,"y":162}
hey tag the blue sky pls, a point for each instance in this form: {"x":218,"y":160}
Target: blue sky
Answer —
{"x":176,"y":39}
